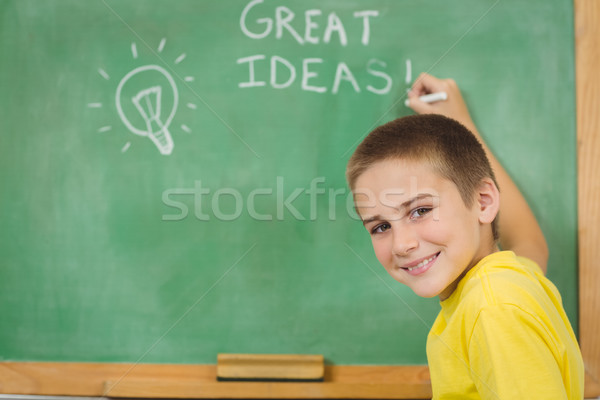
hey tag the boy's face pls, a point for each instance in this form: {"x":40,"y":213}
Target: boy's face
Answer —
{"x":422,"y":232}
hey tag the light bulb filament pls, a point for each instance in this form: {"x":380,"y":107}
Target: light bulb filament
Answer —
{"x":148,"y":102}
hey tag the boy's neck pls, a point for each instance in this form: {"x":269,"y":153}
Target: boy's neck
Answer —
{"x":480,"y":256}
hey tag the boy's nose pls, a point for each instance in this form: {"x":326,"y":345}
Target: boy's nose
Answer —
{"x":405,"y":241}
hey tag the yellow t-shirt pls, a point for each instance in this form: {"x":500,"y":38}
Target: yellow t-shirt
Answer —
{"x":503,"y":334}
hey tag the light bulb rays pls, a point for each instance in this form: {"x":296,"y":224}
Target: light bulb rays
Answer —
{"x":103,"y":73}
{"x":161,"y":45}
{"x":146,"y":100}
{"x":180,"y":58}
{"x":134,"y":52}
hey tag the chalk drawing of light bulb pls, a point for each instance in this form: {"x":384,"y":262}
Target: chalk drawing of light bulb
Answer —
{"x":142,"y":97}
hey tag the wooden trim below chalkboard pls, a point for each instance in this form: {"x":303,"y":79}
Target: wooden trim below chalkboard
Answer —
{"x":200,"y":382}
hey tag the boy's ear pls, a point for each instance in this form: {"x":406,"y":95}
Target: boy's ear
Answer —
{"x":488,"y":201}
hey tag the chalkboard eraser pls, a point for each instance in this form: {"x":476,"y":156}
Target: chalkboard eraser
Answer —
{"x":270,"y":367}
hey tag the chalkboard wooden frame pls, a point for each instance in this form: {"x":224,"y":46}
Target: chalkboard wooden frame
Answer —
{"x":587,"y":57}
{"x":384,"y":382}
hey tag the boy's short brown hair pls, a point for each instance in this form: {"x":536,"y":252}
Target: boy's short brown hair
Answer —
{"x":445,"y":144}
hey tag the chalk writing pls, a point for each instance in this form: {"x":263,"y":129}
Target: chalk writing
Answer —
{"x":257,"y":23}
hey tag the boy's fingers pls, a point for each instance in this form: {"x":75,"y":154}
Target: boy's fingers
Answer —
{"x":426,"y":83}
{"x":417,"y":105}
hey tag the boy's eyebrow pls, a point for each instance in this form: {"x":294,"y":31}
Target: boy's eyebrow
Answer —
{"x":406,"y":204}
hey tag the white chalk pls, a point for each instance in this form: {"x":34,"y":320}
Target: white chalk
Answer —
{"x":430,"y":98}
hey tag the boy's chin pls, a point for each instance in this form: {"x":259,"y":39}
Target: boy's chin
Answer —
{"x":428,"y":294}
{"x":427,"y":290}
{"x":423,"y":290}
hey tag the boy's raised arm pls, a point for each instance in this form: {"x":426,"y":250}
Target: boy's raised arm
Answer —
{"x":518,"y":227}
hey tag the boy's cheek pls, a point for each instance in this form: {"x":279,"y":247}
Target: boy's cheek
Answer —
{"x":383,"y":253}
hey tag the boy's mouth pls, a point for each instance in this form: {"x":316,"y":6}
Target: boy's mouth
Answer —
{"x":419,"y":267}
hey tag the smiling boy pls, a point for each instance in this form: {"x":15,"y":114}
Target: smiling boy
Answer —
{"x":428,"y":196}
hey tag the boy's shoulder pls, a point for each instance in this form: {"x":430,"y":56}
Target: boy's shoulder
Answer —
{"x":502,"y":279}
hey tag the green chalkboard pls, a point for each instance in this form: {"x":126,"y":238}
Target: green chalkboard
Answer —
{"x":173,"y":171}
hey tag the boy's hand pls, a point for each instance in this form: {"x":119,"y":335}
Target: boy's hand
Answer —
{"x":454,"y":107}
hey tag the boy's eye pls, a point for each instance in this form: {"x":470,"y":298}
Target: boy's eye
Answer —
{"x":380,"y":228}
{"x":419,"y":212}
